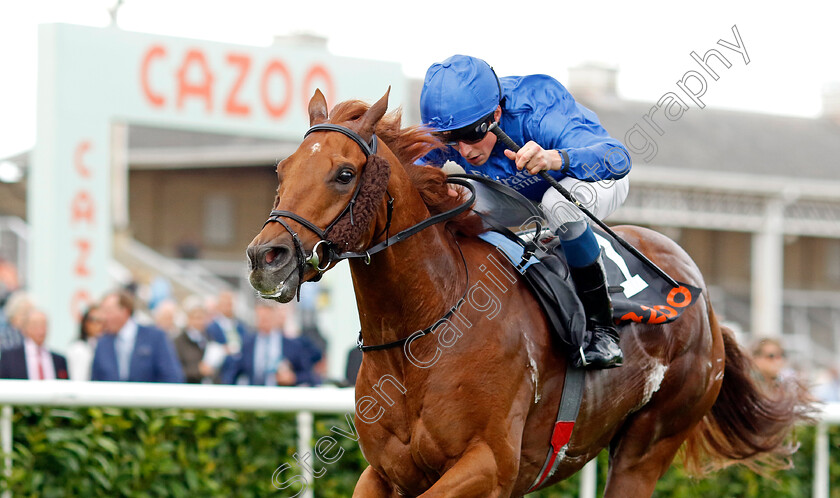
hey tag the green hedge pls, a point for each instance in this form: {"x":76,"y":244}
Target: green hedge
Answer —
{"x":132,"y":452}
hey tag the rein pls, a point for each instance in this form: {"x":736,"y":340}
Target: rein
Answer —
{"x":408,"y":232}
{"x":420,"y":333}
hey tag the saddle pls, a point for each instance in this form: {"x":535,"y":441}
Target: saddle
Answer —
{"x":638,"y":293}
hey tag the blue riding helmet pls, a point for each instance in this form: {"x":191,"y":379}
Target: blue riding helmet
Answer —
{"x":458,"y":92}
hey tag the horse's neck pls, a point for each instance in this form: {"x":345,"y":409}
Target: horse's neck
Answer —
{"x":410,"y":285}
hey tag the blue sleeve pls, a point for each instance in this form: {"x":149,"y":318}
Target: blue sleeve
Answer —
{"x":243,"y":329}
{"x":303,"y":354}
{"x":215,"y":333}
{"x":245,"y":361}
{"x":313,"y":353}
{"x":168,"y":365}
{"x":230,"y":368}
{"x":239,"y":363}
{"x":96,"y":366}
{"x":565,"y":125}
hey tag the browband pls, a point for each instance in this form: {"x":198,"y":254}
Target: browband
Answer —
{"x":368,"y":149}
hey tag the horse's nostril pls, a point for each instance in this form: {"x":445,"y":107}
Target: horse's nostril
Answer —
{"x":268,"y":255}
{"x":272,"y":254}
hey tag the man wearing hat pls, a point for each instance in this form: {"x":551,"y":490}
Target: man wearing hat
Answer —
{"x":462,"y":96}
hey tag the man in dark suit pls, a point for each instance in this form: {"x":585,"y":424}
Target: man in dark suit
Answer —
{"x":191,"y":343}
{"x":32,"y":360}
{"x":132,"y":352}
{"x":229,"y":331}
{"x":271,"y":357}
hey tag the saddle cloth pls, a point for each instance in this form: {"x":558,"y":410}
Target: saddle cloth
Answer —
{"x":638,"y":293}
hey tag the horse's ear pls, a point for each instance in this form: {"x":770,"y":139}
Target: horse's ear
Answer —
{"x":317,"y":108}
{"x":372,"y":116}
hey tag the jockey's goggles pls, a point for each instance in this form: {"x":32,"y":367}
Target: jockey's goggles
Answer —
{"x":470,"y":134}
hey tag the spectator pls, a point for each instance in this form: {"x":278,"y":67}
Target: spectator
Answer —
{"x":211,"y":304}
{"x":131,"y":352}
{"x":167,"y":317}
{"x":307,"y":305}
{"x":32,"y":360}
{"x":9,"y":282}
{"x":159,"y":290}
{"x":228,"y":330}
{"x":16,"y":309}
{"x":827,"y":389}
{"x":769,"y":357}
{"x":80,"y":352}
{"x":271,"y":357}
{"x":191,"y":344}
{"x":306,"y":316}
{"x":311,"y":336}
{"x":311,"y":340}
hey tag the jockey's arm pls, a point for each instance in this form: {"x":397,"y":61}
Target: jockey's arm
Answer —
{"x":587,"y":151}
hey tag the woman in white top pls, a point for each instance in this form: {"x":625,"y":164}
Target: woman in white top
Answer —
{"x":80,"y":352}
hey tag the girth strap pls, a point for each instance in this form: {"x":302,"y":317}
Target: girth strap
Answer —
{"x":566,"y":416}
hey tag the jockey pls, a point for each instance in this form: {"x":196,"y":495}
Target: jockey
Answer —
{"x":462,"y":95}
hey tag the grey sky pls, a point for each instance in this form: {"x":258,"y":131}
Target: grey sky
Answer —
{"x":793,"y":53}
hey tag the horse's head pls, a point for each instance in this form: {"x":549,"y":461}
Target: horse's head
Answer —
{"x":328,"y":194}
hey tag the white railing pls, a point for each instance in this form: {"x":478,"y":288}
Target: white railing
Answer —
{"x":303,"y":400}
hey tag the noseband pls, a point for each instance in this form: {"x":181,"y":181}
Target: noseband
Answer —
{"x":329,"y":246}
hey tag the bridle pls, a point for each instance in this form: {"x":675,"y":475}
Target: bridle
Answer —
{"x":329,"y":251}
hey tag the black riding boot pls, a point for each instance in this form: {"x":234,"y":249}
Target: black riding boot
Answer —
{"x":603,"y":350}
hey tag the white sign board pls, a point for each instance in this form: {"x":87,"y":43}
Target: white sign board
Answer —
{"x":91,"y":78}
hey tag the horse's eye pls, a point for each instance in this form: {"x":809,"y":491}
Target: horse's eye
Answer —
{"x":345,"y":176}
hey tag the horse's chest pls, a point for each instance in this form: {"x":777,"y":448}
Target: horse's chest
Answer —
{"x":411,"y":455}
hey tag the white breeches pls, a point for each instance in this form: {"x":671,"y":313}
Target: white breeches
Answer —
{"x":600,"y":198}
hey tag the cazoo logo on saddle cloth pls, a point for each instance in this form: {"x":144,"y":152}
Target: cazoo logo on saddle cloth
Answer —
{"x":638,"y":293}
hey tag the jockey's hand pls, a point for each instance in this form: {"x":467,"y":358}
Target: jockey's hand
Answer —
{"x":534,"y":158}
{"x":451,"y":167}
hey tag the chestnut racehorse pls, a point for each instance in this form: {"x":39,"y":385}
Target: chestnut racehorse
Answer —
{"x":469,"y":411}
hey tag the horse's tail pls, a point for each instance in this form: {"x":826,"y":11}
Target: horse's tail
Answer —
{"x":748,"y":424}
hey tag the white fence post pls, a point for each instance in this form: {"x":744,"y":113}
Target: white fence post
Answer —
{"x":821,"y":462}
{"x":6,"y":434}
{"x":589,"y":479}
{"x":304,"y":430}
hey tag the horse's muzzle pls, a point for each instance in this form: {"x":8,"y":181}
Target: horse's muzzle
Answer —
{"x":274,"y":272}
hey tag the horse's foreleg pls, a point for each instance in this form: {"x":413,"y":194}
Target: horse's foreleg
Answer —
{"x":372,"y":484}
{"x":475,"y":474}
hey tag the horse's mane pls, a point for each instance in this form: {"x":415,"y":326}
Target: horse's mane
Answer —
{"x":410,"y":144}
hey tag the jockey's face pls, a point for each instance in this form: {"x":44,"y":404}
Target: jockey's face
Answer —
{"x":478,"y":153}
